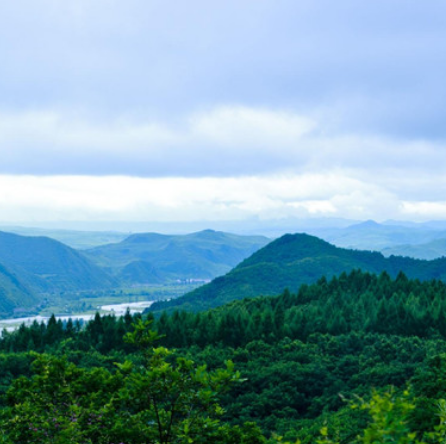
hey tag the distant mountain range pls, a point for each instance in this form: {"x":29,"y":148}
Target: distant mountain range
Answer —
{"x":390,"y":237}
{"x":77,"y":239}
{"x":149,"y":258}
{"x":430,"y":250}
{"x":33,"y":268}
{"x":371,"y":235}
{"x":291,"y":261}
{"x":50,"y":266}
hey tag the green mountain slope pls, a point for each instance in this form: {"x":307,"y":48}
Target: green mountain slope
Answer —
{"x":48,"y":265}
{"x":300,"y":351}
{"x":152,"y":257}
{"x":291,"y":261}
{"x":139,"y":272}
{"x":15,"y":296}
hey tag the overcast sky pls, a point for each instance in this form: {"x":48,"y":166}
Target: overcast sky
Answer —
{"x":222,"y":110}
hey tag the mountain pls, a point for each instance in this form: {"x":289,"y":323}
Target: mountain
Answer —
{"x":293,"y":260}
{"x":430,"y":250}
{"x":156,"y":258}
{"x":370,"y":235}
{"x":139,"y":272}
{"x":416,"y":240}
{"x":14,"y":294}
{"x":73,"y":238}
{"x":46,"y":265}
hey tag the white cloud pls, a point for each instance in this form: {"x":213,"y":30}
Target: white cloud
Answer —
{"x":225,"y":141}
{"x":423,"y":209}
{"x":28,"y":198}
{"x":250,"y":128}
{"x":228,"y":163}
{"x":291,"y":107}
{"x":221,"y":142}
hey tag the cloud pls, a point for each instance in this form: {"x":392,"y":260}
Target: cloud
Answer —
{"x":378,"y":66}
{"x":433,"y":210}
{"x":225,"y":141}
{"x":240,"y":127}
{"x":222,"y":109}
{"x":28,"y":198}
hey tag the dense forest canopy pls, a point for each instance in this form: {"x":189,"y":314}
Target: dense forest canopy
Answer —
{"x":302,"y":357}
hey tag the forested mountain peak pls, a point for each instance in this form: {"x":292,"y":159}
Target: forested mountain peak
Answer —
{"x":290,"y":247}
{"x":293,"y":260}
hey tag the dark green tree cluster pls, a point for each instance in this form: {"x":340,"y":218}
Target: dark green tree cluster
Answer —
{"x":302,"y":355}
{"x":102,"y":333}
{"x":355,"y":302}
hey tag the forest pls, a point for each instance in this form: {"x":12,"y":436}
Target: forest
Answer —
{"x":355,"y":358}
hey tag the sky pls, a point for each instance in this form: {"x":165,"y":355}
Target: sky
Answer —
{"x":149,"y":110}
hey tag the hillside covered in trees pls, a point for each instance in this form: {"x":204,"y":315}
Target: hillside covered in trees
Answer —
{"x":15,"y":295}
{"x":304,"y":357}
{"x":293,"y":260}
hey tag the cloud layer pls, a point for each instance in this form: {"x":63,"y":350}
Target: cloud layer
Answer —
{"x":148,"y":109}
{"x":378,"y":65}
{"x":120,"y":198}
{"x":226,"y":141}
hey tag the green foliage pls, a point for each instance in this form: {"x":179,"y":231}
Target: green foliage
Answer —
{"x":389,"y":416}
{"x":357,"y":302}
{"x":388,"y":422}
{"x":299,"y":351}
{"x":55,"y":404}
{"x":302,"y":354}
{"x":160,"y":402}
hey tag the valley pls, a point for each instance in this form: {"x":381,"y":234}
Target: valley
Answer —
{"x":42,"y":276}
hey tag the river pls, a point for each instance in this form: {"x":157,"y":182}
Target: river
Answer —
{"x":117,"y":309}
